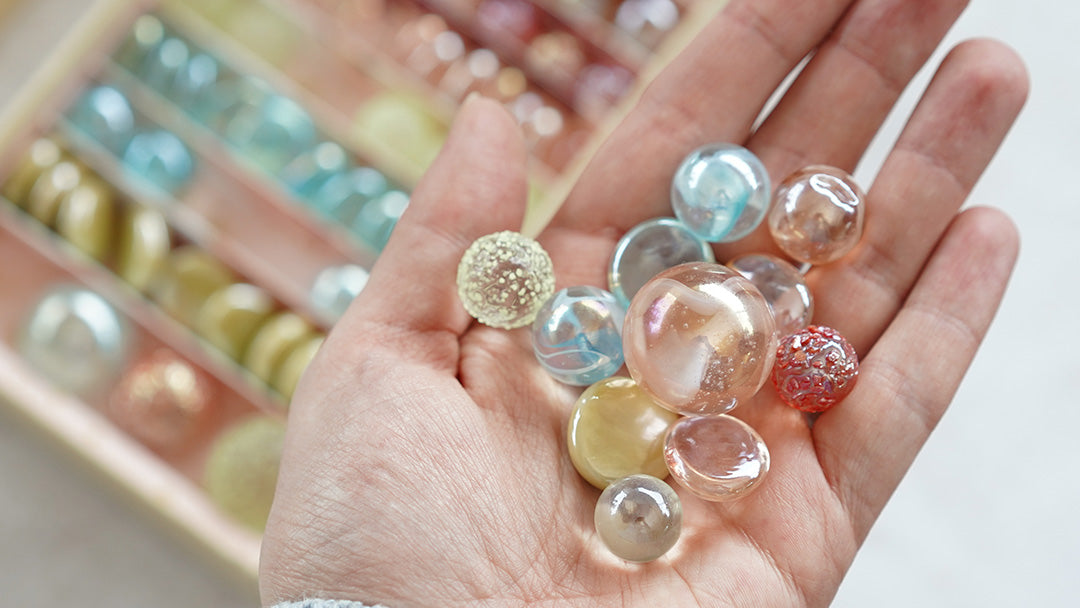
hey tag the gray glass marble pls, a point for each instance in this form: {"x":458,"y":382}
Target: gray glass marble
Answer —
{"x":638,"y":518}
{"x":649,"y":248}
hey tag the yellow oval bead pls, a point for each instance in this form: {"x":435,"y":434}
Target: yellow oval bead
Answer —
{"x":43,"y":154}
{"x":144,"y":246}
{"x":616,"y":430}
{"x":191,"y":275}
{"x":272,"y":343}
{"x":231,"y":315}
{"x":43,"y":200}
{"x":85,"y":218}
{"x":288,"y":375}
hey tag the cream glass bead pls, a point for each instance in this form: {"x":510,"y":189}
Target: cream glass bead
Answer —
{"x":638,"y":518}
{"x":717,"y":458}
{"x":817,"y":216}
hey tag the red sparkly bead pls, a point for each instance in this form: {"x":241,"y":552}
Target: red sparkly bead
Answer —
{"x":815,"y":369}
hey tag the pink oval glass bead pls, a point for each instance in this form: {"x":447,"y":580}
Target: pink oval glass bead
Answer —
{"x":817,"y":214}
{"x":699,"y":338}
{"x":717,"y":458}
{"x":815,"y":369}
{"x":783,"y":286}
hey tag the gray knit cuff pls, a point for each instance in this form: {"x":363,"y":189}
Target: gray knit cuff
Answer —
{"x":326,"y":604}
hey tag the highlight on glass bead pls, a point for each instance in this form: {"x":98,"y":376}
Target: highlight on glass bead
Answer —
{"x":721,"y":192}
{"x":504,"y":278}
{"x":650,"y":248}
{"x":718,"y":458}
{"x":815,"y":369}
{"x":783,"y":286}
{"x":616,"y":430}
{"x":577,"y":335}
{"x":638,"y":518}
{"x":818,"y":214}
{"x":699,"y":338}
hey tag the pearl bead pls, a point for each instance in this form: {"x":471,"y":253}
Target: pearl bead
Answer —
{"x":163,"y":401}
{"x":616,"y":430}
{"x":638,"y":518}
{"x":783,"y":286}
{"x":242,"y":469}
{"x":818,"y":214}
{"x":699,"y":339}
{"x":43,"y":154}
{"x":815,"y":369}
{"x":717,"y":458}
{"x":43,"y":200}
{"x":295,"y":364}
{"x":504,"y":278}
{"x":650,"y":248}
{"x":721,"y":192}
{"x":577,"y":335}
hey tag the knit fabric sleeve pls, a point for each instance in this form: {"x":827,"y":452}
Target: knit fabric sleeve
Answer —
{"x":326,"y":604}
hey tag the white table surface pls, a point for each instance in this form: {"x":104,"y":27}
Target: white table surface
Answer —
{"x":987,"y":516}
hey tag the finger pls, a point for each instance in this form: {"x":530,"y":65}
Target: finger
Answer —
{"x":951,"y":137}
{"x":866,"y":444}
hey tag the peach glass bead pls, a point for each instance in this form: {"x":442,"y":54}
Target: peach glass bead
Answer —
{"x":162,"y":401}
{"x":783,"y":286}
{"x":815,"y":369}
{"x":699,"y":338}
{"x":717,"y":458}
{"x":817,"y":214}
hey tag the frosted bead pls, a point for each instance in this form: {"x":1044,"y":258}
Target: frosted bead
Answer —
{"x":617,"y":430}
{"x":231,"y":315}
{"x":699,"y":338}
{"x":650,"y":248}
{"x":335,"y":288}
{"x":815,"y":369}
{"x":105,"y":115}
{"x":504,"y":278}
{"x":242,"y":469}
{"x":721,"y":192}
{"x":716,"y":457}
{"x":577,"y":335}
{"x":160,"y":158}
{"x":818,"y":214}
{"x":638,"y":518}
{"x":783,"y":286}
{"x":162,"y":401}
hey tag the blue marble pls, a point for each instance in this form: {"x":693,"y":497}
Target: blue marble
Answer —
{"x":231,"y":94}
{"x":271,"y":133}
{"x":309,"y":172}
{"x":577,"y":335}
{"x":159,"y":157}
{"x":105,"y":114}
{"x":146,"y":35}
{"x":342,"y":196}
{"x":162,"y":64}
{"x":195,"y":81}
{"x":721,"y":192}
{"x":650,"y":248}
{"x":378,"y":217}
{"x":335,"y":288}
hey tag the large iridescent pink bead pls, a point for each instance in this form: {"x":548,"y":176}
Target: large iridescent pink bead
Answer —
{"x":717,"y":458}
{"x":699,"y":339}
{"x":817,"y":214}
{"x":815,"y":369}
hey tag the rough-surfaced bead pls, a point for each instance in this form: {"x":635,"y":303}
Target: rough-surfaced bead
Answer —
{"x":783,"y":286}
{"x":721,"y":192}
{"x":242,"y":469}
{"x":699,"y":338}
{"x":577,"y":335}
{"x":504,"y":278}
{"x":818,"y":214}
{"x":650,"y":248}
{"x":717,"y":458}
{"x":815,"y":369}
{"x":163,"y":401}
{"x":638,"y":518}
{"x":617,"y":430}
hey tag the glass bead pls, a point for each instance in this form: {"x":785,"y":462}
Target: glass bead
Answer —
{"x":404,"y":125}
{"x":231,"y":315}
{"x":195,"y":80}
{"x":231,"y":95}
{"x":717,"y":458}
{"x":85,"y":218}
{"x":146,"y":35}
{"x":783,"y":286}
{"x":577,"y":335}
{"x":721,"y":192}
{"x":815,"y":369}
{"x":105,"y":115}
{"x":43,"y":154}
{"x":76,"y":340}
{"x":161,"y":158}
{"x":378,"y":217}
{"x":50,"y":189}
{"x":818,"y":214}
{"x":163,"y":63}
{"x":307,"y":173}
{"x":699,"y":338}
{"x":242,"y":469}
{"x":295,"y":364}
{"x":504,"y":278}
{"x":143,"y":246}
{"x":272,"y":133}
{"x":638,"y":518}
{"x":335,"y":288}
{"x":275,"y":339}
{"x":343,"y":195}
{"x":188,"y":278}
{"x":650,"y":248}
{"x":617,"y":430}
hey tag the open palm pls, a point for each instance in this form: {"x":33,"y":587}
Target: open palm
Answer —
{"x":426,"y":462}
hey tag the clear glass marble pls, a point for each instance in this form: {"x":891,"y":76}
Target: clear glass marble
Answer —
{"x":638,"y":518}
{"x":783,"y":286}
{"x":504,"y":278}
{"x":717,"y":458}
{"x":335,"y":288}
{"x":816,"y":368}
{"x":104,"y":114}
{"x":577,"y":335}
{"x":616,"y":430}
{"x":699,"y":338}
{"x":161,"y":158}
{"x":650,"y":248}
{"x":818,"y":214}
{"x":721,"y":192}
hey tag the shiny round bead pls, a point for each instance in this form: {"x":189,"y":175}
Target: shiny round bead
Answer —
{"x":335,"y":288}
{"x":85,"y":218}
{"x":378,"y":217}
{"x":783,"y":286}
{"x":504,"y":278}
{"x":815,"y":369}
{"x":273,"y":342}
{"x":342,"y":195}
{"x":288,"y":374}
{"x":638,"y":518}
{"x":818,"y":214}
{"x":195,"y":80}
{"x":147,"y":33}
{"x":160,"y":158}
{"x":699,"y":338}
{"x":307,"y":173}
{"x":577,"y":335}
{"x":721,"y":192}
{"x":403,"y":125}
{"x":650,"y":248}
{"x":143,"y":246}
{"x":617,"y":430}
{"x":43,"y":154}
{"x":242,"y":469}
{"x":188,"y":278}
{"x":271,"y":133}
{"x":162,"y":64}
{"x":105,"y":115}
{"x":50,"y":189}
{"x":716,"y":457}
{"x":231,"y":315}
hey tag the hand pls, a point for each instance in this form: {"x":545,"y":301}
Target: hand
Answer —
{"x":425,"y":463}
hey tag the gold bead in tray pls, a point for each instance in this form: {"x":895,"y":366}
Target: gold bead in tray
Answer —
{"x":194,"y":190}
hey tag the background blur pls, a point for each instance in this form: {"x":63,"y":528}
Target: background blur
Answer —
{"x":987,"y":516}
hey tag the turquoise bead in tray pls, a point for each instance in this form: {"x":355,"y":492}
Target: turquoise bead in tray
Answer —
{"x":104,"y":114}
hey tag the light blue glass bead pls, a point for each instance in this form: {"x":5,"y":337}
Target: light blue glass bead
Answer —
{"x":721,"y":192}
{"x":577,"y":335}
{"x":162,"y":65}
{"x":194,"y":81}
{"x":229,"y":95}
{"x":649,"y":248}
{"x":161,"y":158}
{"x":335,"y":288}
{"x":310,"y":171}
{"x":147,"y":33}
{"x":271,"y":133}
{"x":105,"y":115}
{"x":378,"y":217}
{"x":343,"y":196}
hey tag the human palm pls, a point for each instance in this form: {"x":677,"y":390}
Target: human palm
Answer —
{"x":426,"y":462}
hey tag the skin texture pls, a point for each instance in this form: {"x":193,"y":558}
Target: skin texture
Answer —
{"x":425,"y":462}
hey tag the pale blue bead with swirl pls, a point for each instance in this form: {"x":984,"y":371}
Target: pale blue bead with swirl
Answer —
{"x":577,"y":335}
